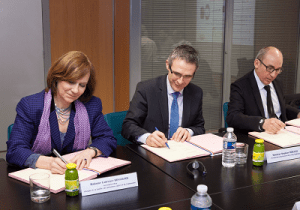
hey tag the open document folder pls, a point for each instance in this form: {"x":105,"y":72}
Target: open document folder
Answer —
{"x":201,"y":145}
{"x":287,"y":137}
{"x":57,"y":182}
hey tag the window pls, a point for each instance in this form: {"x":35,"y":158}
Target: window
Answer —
{"x":168,"y":23}
{"x":257,"y":24}
{"x":201,"y":23}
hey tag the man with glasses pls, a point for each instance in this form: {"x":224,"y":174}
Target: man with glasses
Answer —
{"x":169,"y":106}
{"x":257,"y":99}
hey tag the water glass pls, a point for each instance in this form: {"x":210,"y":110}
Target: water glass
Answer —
{"x":39,"y":187}
{"x":241,"y":153}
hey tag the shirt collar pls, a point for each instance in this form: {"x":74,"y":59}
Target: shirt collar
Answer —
{"x":170,"y":89}
{"x":259,"y":83}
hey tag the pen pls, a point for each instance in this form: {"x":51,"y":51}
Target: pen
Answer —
{"x":166,"y":142}
{"x":279,"y":119}
{"x":58,"y":155}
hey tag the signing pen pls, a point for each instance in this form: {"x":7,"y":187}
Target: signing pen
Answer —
{"x":279,"y":119}
{"x":58,"y":155}
{"x":166,"y":142}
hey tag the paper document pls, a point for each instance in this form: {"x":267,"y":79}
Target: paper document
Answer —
{"x":201,"y":145}
{"x":283,"y":138}
{"x":57,"y":182}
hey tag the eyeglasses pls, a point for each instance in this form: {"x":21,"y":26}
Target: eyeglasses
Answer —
{"x":270,"y":69}
{"x":178,"y":75}
{"x":195,"y":168}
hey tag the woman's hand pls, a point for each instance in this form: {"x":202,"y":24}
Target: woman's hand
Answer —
{"x":55,"y":165}
{"x":83,"y":159}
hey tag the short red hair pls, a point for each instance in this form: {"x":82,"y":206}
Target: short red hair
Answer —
{"x":70,"y":67}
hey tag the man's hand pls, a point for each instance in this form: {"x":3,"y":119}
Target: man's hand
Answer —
{"x":181,"y":135}
{"x":273,"y":125}
{"x":156,"y":139}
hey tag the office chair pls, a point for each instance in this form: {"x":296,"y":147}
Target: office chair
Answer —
{"x":115,"y":121}
{"x":9,"y":131}
{"x":225,"y":109}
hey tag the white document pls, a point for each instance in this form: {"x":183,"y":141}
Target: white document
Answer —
{"x":178,"y":151}
{"x":294,"y":122}
{"x":296,"y":206}
{"x":283,"y":138}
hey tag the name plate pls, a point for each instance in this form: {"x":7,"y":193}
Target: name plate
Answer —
{"x":282,"y":154}
{"x":108,"y":184}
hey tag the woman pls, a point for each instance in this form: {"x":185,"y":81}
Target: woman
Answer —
{"x":63,"y":117}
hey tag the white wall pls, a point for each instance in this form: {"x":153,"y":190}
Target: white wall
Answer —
{"x":21,"y":57}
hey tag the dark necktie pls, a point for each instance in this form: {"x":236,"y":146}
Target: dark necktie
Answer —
{"x":269,"y":102}
{"x":174,"y":121}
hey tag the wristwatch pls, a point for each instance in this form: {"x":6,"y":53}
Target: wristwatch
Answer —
{"x":260,"y":124}
{"x":95,"y":149}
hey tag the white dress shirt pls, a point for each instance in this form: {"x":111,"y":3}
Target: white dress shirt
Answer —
{"x":263,"y":95}
{"x":170,"y":90}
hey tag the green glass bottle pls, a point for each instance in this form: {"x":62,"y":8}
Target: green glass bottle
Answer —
{"x":258,"y":152}
{"x":71,"y":180}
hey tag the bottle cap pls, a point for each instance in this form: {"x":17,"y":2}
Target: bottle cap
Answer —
{"x":164,"y":208}
{"x":71,"y":165}
{"x":229,"y":129}
{"x":259,"y":141}
{"x":202,"y":188}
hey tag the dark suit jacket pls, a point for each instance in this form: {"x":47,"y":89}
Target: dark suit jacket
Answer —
{"x":25,"y":129}
{"x":149,"y":109}
{"x":245,"y":108}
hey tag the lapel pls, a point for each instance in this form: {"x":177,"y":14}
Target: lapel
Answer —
{"x":256,"y":93}
{"x":163,"y":102}
{"x":280,"y":98}
{"x":55,"y":136}
{"x":187,"y":101}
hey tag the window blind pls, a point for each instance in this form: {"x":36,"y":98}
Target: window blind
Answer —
{"x":257,"y":24}
{"x":168,"y":23}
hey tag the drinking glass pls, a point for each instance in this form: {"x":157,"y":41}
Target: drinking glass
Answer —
{"x":241,"y":153}
{"x":39,"y":187}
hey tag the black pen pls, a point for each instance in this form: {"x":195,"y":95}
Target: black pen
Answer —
{"x":166,"y":142}
{"x":279,"y":119}
{"x":58,"y":155}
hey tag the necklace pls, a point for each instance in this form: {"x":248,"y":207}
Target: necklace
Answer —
{"x":63,"y":115}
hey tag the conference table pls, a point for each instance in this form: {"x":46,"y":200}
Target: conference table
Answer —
{"x":161,"y":183}
{"x":155,"y":188}
{"x":273,"y":186}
